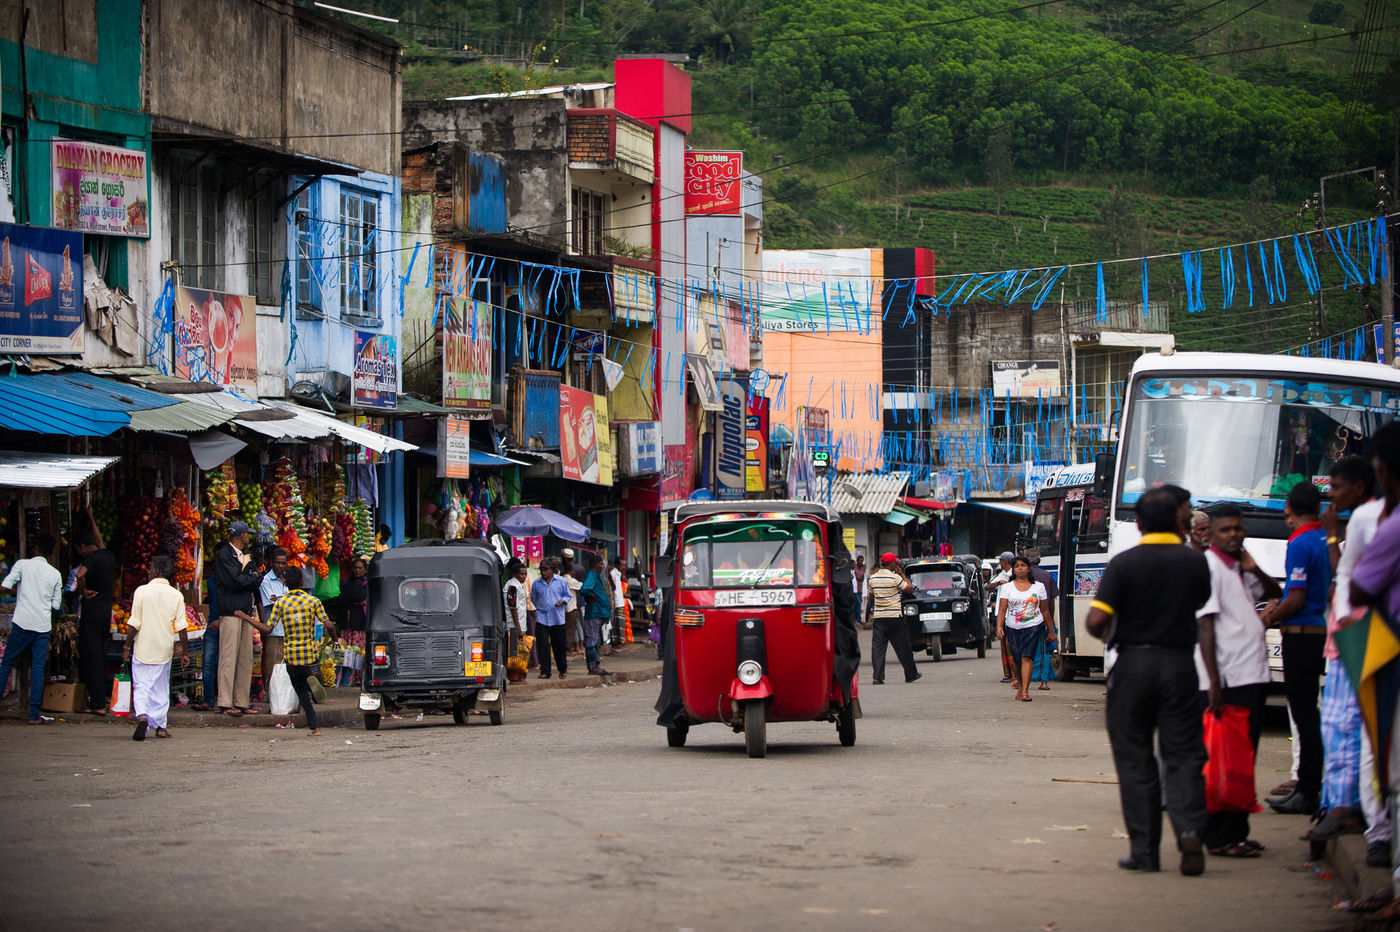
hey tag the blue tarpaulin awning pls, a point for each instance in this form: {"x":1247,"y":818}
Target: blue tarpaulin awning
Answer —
{"x":900,"y":518}
{"x":73,"y":404}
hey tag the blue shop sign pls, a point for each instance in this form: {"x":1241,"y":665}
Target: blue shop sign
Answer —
{"x":41,"y":290}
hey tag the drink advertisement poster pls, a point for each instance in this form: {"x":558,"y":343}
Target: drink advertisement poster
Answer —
{"x":756,"y":445}
{"x":216,"y":339}
{"x":713,"y":182}
{"x":100,"y":189}
{"x":41,"y":290}
{"x":466,"y":365}
{"x":376,"y":380}
{"x":578,"y":434}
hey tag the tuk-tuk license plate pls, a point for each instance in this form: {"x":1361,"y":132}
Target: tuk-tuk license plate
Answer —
{"x":935,"y":616}
{"x":478,"y":668}
{"x":731,"y":598}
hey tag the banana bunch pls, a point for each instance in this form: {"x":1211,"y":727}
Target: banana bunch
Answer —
{"x":364,"y":528}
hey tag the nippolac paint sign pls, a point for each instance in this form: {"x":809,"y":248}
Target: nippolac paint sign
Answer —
{"x":712,"y":182}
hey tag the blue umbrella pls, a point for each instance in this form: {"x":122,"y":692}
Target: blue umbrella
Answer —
{"x":534,"y":521}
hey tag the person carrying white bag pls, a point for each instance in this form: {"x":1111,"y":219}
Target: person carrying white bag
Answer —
{"x":280,"y":695}
{"x":157,"y":614}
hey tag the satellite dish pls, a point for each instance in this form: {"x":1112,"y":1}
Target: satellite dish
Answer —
{"x":851,"y":489}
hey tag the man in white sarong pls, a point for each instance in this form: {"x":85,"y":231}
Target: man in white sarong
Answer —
{"x":157,"y":613}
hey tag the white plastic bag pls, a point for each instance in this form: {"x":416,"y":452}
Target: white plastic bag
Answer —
{"x":283,"y":697}
{"x":121,"y":694}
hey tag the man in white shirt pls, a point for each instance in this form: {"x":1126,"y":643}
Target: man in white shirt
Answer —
{"x":619,"y":605}
{"x":1348,"y":761}
{"x":1231,"y":658}
{"x":157,"y":612}
{"x":40,"y":595}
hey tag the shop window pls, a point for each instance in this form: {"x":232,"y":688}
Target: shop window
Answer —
{"x":359,"y":246}
{"x":197,"y":219}
{"x":266,"y":242}
{"x":590,"y":222}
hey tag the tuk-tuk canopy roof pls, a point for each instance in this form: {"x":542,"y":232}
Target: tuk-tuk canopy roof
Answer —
{"x":437,"y":556}
{"x":747,"y":508}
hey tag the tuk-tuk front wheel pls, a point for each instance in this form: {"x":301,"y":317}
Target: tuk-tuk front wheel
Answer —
{"x":497,"y":716}
{"x":935,"y":647}
{"x":846,"y":724}
{"x":459,"y":715}
{"x":982,"y":649}
{"x":676,"y":734}
{"x":755,"y":728}
{"x":371,"y":721}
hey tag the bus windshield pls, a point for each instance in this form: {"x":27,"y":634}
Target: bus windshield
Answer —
{"x":752,"y":554}
{"x":1247,"y":439}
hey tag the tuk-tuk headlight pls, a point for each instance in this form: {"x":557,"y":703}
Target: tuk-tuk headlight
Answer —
{"x":911,"y":609}
{"x":959,"y":606}
{"x":750,"y":672}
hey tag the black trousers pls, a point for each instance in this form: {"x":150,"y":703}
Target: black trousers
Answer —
{"x":1302,"y":666}
{"x":895,"y":632}
{"x":92,"y":658}
{"x":299,"y":674}
{"x":1231,"y":828}
{"x":552,"y":637}
{"x":1153,"y":692}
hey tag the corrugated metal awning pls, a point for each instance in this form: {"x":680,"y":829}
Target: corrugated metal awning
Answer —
{"x":72,"y":404}
{"x":181,"y":417}
{"x":323,"y":422}
{"x":865,"y":493}
{"x":900,"y":518}
{"x":50,"y":470}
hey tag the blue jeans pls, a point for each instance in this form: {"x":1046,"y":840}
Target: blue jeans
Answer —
{"x":37,"y":643}
{"x":211,"y":667}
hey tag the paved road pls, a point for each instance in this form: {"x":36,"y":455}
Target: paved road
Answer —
{"x":576,"y":815}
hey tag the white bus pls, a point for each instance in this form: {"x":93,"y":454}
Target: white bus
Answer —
{"x":1243,"y":429}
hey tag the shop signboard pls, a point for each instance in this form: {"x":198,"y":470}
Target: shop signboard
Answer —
{"x":730,"y":441}
{"x":641,"y":448}
{"x":41,"y":290}
{"x":216,"y":339}
{"x":607,"y":463}
{"x":578,"y":434}
{"x":466,"y":366}
{"x":756,"y":446}
{"x":822,"y":291}
{"x":678,"y":475}
{"x":100,"y":189}
{"x":713,"y":183}
{"x":1025,"y":378}
{"x":454,"y":448}
{"x":528,"y":549}
{"x":376,"y":378}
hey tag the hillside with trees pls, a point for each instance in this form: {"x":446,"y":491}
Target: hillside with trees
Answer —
{"x":1000,"y":133}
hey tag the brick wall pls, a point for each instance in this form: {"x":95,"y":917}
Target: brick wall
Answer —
{"x":590,"y":138}
{"x":429,"y":171}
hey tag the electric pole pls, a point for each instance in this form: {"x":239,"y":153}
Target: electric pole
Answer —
{"x":1388,"y":275}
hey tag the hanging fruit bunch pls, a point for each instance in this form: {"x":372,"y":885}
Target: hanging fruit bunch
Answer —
{"x":342,"y":537}
{"x":363,"y":542}
{"x":333,"y":490}
{"x":181,"y":514}
{"x":283,"y":502}
{"x":318,"y":547}
{"x":141,"y":531}
{"x":250,"y":496}
{"x":104,"y":515}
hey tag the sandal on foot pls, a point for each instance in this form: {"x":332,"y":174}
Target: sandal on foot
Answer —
{"x":233,"y":713}
{"x":1237,"y":850}
{"x":1043,"y":686}
{"x":162,"y":733}
{"x":1253,"y":845}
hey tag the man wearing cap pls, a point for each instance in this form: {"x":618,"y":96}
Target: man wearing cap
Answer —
{"x":882,"y":607}
{"x":237,"y":580}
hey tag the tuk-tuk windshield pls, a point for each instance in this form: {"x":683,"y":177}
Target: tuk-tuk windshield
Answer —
{"x":752,"y":554}
{"x":933,"y":579}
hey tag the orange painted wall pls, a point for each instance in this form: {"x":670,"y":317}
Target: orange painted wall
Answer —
{"x":827,"y":363}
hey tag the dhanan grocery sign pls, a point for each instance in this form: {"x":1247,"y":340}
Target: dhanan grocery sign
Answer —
{"x":100,"y":189}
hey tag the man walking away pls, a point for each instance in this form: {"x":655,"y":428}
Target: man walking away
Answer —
{"x":96,"y":577}
{"x":238,"y":581}
{"x":618,"y":576}
{"x":1300,"y":620}
{"x":1232,"y":660}
{"x":596,"y":609}
{"x":858,"y":578}
{"x":550,"y":594}
{"x":883,"y":610}
{"x":157,"y":612}
{"x":1146,"y":607}
{"x":40,"y":595}
{"x":297,"y":612}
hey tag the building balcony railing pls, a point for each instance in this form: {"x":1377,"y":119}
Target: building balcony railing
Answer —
{"x":1127,"y":316}
{"x":606,"y":140}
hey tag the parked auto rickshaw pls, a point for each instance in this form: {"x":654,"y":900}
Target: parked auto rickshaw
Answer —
{"x":759,"y":621}
{"x":437,"y":635}
{"x":945,"y":609}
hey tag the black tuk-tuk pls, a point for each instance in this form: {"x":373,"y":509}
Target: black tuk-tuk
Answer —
{"x":945,"y":610}
{"x":437,"y":635}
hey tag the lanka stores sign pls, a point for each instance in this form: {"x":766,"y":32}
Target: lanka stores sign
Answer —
{"x":100,"y":189}
{"x":712,"y":182}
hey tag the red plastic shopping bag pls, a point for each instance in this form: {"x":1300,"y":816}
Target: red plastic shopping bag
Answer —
{"x":1229,"y":770}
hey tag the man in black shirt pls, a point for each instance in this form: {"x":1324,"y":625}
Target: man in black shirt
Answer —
{"x":1146,"y":608}
{"x":96,"y":577}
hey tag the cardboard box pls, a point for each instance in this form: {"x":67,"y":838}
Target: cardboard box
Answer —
{"x":64,"y":697}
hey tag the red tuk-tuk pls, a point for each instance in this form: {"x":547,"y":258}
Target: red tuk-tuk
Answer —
{"x":758,"y":620}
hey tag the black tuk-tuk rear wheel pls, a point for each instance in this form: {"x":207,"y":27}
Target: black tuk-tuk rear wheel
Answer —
{"x":846,"y":724}
{"x":1064,"y":670}
{"x":371,"y":721}
{"x":676,"y":734}
{"x":982,"y":649}
{"x":755,"y":728}
{"x":459,"y":715}
{"x":935,"y":647}
{"x":497,"y":716}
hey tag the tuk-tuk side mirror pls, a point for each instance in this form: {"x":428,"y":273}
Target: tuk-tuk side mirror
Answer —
{"x":666,"y":572}
{"x":1104,"y":466}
